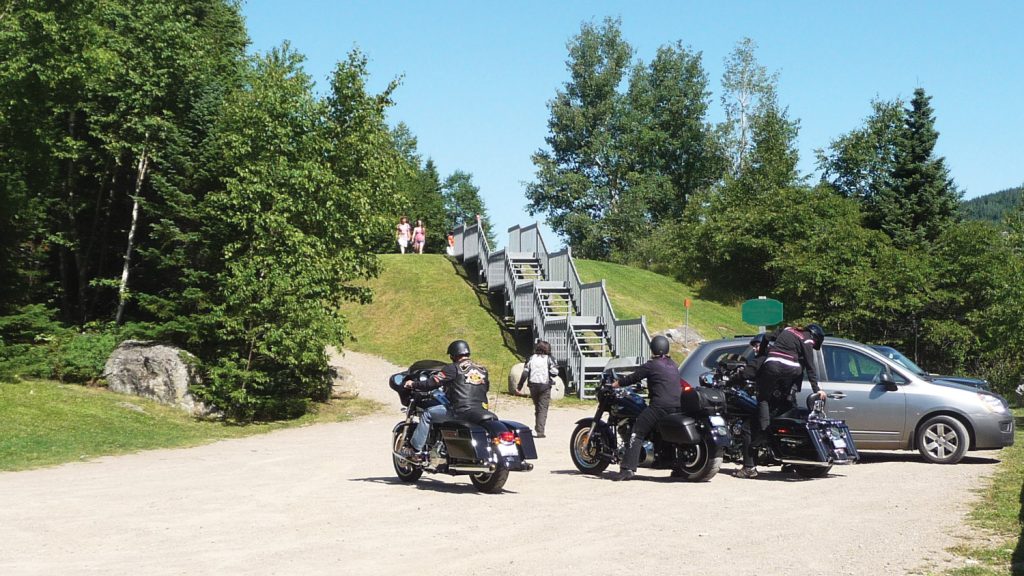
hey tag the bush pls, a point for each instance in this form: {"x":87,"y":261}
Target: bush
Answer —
{"x":82,"y":356}
{"x":34,"y":344}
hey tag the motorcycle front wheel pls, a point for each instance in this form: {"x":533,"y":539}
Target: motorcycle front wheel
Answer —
{"x":490,"y":482}
{"x":700,"y":462}
{"x":586,"y":455}
{"x":406,"y":471}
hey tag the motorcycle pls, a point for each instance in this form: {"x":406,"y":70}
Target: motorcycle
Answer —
{"x":485,"y":450}
{"x":805,"y":441}
{"x":691,"y":444}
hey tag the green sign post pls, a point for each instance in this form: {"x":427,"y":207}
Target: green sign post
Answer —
{"x":762,"y":312}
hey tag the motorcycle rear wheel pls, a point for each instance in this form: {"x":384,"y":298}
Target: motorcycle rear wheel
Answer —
{"x":701,"y":463}
{"x":586,"y":455}
{"x":406,"y":472}
{"x":805,"y":471}
{"x":490,"y":482}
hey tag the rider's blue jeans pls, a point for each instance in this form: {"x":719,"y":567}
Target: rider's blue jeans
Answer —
{"x":419,"y":437}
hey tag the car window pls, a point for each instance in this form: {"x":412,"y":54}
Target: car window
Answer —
{"x":711,"y":362}
{"x":847,"y":365}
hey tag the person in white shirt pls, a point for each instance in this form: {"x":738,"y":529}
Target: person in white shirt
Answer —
{"x":539,"y":372}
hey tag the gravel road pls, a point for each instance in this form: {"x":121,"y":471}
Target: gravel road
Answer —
{"x":324,"y":500}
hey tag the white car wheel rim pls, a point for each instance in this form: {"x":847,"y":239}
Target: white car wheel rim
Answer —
{"x":941,"y":441}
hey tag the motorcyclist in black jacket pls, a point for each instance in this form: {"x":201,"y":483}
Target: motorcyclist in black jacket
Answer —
{"x":465,"y":384}
{"x":663,"y":387}
{"x":790,"y":354}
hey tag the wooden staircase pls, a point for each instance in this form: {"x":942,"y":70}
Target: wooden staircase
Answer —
{"x":543,"y":292}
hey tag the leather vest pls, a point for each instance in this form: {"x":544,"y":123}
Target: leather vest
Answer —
{"x":468,"y":390}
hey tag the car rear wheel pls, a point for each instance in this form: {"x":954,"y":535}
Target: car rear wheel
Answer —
{"x":942,"y":440}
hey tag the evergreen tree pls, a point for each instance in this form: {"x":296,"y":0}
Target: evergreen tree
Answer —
{"x":462,"y":204}
{"x":922,"y":199}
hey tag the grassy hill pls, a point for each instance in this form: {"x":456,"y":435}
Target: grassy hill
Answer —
{"x":422,"y":302}
{"x":636,"y":292}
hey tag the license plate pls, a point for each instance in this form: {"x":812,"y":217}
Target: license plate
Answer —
{"x":508,"y":450}
{"x":838,"y":443}
{"x":716,"y":420}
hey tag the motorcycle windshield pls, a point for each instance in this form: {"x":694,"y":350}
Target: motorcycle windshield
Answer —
{"x":427,"y":365}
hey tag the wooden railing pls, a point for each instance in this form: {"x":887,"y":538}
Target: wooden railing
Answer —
{"x":628,"y":338}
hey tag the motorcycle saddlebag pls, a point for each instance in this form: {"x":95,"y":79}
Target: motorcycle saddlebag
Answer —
{"x":794,"y":440}
{"x":463,"y":440}
{"x":525,"y":435}
{"x":702,"y":400}
{"x":833,"y":438}
{"x":679,"y":429}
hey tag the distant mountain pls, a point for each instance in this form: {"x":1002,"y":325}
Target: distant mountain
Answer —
{"x":992,"y":207}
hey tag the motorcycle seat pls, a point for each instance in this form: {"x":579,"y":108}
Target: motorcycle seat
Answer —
{"x":470,"y":418}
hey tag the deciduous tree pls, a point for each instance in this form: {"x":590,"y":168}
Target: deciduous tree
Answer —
{"x":581,"y":176}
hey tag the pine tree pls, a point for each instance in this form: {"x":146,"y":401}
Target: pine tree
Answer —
{"x":922,"y":199}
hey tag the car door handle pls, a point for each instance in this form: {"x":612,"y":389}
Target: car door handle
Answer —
{"x":837,"y":395}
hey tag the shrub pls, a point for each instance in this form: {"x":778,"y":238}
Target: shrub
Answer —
{"x":34,"y":344}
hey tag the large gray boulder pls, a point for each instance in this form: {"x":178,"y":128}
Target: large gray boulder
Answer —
{"x":155,"y":371}
{"x":516,"y":372}
{"x":343,"y":383}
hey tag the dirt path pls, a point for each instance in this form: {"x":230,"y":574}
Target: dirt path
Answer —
{"x":325,"y":500}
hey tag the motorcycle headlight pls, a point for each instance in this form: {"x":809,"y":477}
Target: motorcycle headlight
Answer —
{"x":993,"y":403}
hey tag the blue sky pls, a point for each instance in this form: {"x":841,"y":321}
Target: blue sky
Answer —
{"x":477,"y":76}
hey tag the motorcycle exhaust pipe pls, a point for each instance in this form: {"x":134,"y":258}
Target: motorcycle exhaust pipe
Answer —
{"x":473,"y":468}
{"x":806,"y":462}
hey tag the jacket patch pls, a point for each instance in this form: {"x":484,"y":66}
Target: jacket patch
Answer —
{"x":474,"y":376}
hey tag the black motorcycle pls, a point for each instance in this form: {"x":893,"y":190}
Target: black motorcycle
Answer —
{"x":689,"y":443}
{"x":805,"y":441}
{"x":486,"y":450}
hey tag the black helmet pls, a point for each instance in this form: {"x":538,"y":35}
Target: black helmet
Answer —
{"x":760,"y":344}
{"x":458,"y":348}
{"x":817,"y":334}
{"x":659,"y":346}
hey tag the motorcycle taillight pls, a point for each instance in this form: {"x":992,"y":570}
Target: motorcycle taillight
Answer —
{"x":507,"y":437}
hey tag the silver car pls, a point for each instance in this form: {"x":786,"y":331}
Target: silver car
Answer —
{"x":886,"y":405}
